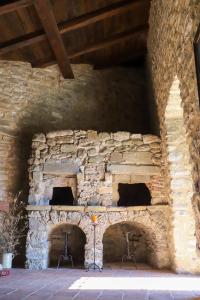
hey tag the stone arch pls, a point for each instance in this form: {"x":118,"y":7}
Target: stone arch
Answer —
{"x":76,"y":243}
{"x":160,"y":258}
{"x":114,"y":243}
{"x":42,"y":222}
{"x":180,"y":183}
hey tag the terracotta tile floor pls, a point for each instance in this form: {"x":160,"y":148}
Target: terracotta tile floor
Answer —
{"x":112,"y":283}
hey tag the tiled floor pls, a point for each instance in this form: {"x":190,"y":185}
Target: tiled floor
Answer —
{"x":116,"y":284}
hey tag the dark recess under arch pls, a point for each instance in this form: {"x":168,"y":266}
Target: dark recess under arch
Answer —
{"x":133,"y":194}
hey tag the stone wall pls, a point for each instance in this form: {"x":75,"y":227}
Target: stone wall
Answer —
{"x":44,"y":219}
{"x":35,"y":100}
{"x":9,"y":168}
{"x":173,"y":25}
{"x":98,"y":161}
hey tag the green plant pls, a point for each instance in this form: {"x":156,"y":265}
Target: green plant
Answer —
{"x":14,"y":224}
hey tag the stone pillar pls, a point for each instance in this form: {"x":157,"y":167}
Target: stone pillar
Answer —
{"x":37,"y":249}
{"x":182,"y":235}
{"x":89,"y":247}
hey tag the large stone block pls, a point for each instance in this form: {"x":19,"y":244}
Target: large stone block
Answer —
{"x":133,"y":169}
{"x":121,"y":136}
{"x":139,"y":158}
{"x":61,"y":168}
{"x":116,"y":157}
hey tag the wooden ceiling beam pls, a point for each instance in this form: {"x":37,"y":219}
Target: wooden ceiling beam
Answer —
{"x":118,"y":38}
{"x":68,"y":26}
{"x":47,"y":18}
{"x":10,"y":7}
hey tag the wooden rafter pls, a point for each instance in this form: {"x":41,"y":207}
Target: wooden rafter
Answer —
{"x":7,"y":8}
{"x":47,"y":18}
{"x":121,"y":37}
{"x":68,"y":26}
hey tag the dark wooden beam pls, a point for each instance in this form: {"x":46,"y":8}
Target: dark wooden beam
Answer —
{"x":10,"y":7}
{"x":47,"y":18}
{"x":76,"y":23}
{"x":118,"y":38}
{"x":101,"y":14}
{"x":18,"y":43}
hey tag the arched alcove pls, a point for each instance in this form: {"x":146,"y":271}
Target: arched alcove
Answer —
{"x":142,"y":243}
{"x":76,"y":244}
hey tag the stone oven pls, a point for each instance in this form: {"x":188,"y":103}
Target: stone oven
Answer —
{"x":74,"y":174}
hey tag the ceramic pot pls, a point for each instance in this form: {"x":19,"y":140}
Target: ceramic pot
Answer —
{"x":7,"y":260}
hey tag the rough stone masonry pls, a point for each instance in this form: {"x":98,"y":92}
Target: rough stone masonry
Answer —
{"x":99,"y":162}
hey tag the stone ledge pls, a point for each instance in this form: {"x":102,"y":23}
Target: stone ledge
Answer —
{"x":94,"y":208}
{"x":116,"y":208}
{"x":68,"y":208}
{"x":38,"y":207}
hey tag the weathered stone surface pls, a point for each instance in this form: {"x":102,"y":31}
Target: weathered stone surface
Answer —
{"x":148,"y":138}
{"x":60,"y":168}
{"x":138,"y":158}
{"x":104,"y":136}
{"x":121,"y":136}
{"x":86,"y":160}
{"x":92,"y":135}
{"x":67,"y":148}
{"x":116,"y":157}
{"x":38,"y":236}
{"x":133,"y":169}
{"x":175,"y":87}
{"x":62,"y":133}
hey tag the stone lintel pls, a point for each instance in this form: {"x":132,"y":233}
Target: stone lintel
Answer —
{"x":138,"y":158}
{"x":94,"y":208}
{"x":67,"y":168}
{"x":133,"y":169}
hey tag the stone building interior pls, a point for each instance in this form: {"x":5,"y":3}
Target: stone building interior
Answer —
{"x":100,"y":138}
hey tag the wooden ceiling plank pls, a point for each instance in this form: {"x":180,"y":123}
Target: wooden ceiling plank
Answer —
{"x":103,"y":44}
{"x":111,"y":41}
{"x":18,"y":43}
{"x":99,"y":15}
{"x":7,"y":8}
{"x":76,"y":23}
{"x":47,"y":18}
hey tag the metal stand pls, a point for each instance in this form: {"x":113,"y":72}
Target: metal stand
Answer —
{"x":94,"y":266}
{"x":129,"y":255}
{"x":65,"y":257}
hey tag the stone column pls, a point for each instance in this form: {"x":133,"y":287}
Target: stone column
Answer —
{"x":37,"y":243}
{"x":89,"y":248}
